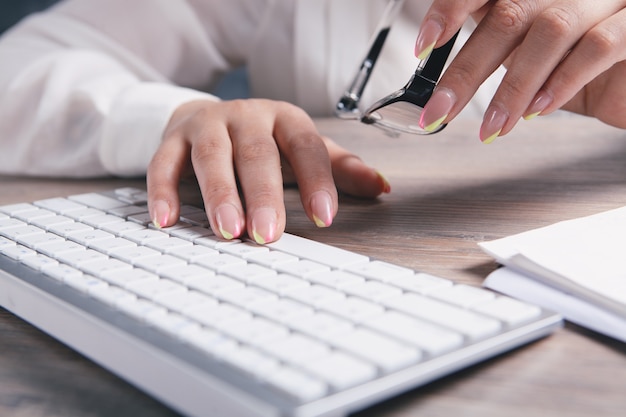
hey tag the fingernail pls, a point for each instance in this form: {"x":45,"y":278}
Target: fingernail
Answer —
{"x":160,"y":213}
{"x":322,"y":209}
{"x":386,"y":185}
{"x":542,"y":100}
{"x":228,"y":221}
{"x":264,"y":223}
{"x":493,"y":123}
{"x":437,"y":109}
{"x":429,"y":35}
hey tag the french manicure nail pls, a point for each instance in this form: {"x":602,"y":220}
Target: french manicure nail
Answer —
{"x":429,"y":35}
{"x":493,"y":123}
{"x":386,"y":185}
{"x":228,"y":221}
{"x":437,"y":109}
{"x":541,"y":101}
{"x":322,"y":209}
{"x":160,"y":213}
{"x":264,"y":223}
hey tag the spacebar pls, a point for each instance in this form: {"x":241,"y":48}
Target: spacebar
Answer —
{"x":316,"y":251}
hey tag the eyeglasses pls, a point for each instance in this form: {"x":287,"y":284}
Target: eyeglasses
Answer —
{"x":400,"y":111}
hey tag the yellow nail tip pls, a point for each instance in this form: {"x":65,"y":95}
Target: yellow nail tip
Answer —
{"x":387,"y":186}
{"x":434,"y":125}
{"x":424,"y":54}
{"x":532,"y":115}
{"x":492,"y":138}
{"x":258,"y":239}
{"x":319,"y":222}
{"x":226,"y":235}
{"x":156,"y":223}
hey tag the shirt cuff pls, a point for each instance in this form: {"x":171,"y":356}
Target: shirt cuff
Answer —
{"x":137,"y":119}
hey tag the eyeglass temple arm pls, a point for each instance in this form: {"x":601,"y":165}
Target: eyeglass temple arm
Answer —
{"x":437,"y":61}
{"x":350,"y":99}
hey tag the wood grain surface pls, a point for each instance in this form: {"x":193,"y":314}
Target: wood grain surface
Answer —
{"x":449,"y":191}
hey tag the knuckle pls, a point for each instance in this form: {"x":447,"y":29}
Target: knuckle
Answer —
{"x":556,"y":23}
{"x":462,"y":72}
{"x":510,"y":15}
{"x":206,"y":149}
{"x":602,"y":42}
{"x":256,"y":150}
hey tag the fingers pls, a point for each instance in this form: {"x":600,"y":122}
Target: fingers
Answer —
{"x":551,"y":48}
{"x":352,"y":176}
{"x":598,"y":51}
{"x":236,"y":149}
{"x":442,"y":21}
{"x":556,"y":33}
{"x":162,"y":180}
{"x":257,"y":163}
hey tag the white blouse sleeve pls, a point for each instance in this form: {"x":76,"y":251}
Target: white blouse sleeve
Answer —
{"x":87,"y":88}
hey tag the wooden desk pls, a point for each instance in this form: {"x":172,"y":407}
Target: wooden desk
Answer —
{"x":448,"y":193}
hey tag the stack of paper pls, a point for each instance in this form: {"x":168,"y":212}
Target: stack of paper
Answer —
{"x":576,"y":267}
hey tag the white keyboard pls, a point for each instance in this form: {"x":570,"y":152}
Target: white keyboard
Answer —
{"x":231,"y":328}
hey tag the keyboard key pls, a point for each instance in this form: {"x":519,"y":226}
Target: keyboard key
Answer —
{"x":281,"y":310}
{"x":296,"y":384}
{"x":249,"y":361}
{"x":463,"y":295}
{"x":316,"y":295}
{"x":296,"y":349}
{"x":168,"y":244}
{"x":17,"y":252}
{"x":385,"y":353}
{"x":129,"y":277}
{"x":303,"y":268}
{"x":421,"y":283}
{"x":373,"y":290}
{"x":354,"y":309}
{"x":84,"y":283}
{"x":382,"y":271}
{"x":509,"y":310}
{"x":97,"y":201}
{"x":59,"y":205}
{"x":336,"y":279}
{"x":134,"y":254}
{"x":39,"y":262}
{"x":217,"y":315}
{"x":472,"y":325}
{"x":271,"y":258}
{"x":79,"y":258}
{"x":214,"y":285}
{"x":191,"y":233}
{"x":247,"y":297}
{"x":184,"y":273}
{"x":15,"y":233}
{"x":341,"y":371}
{"x":256,"y":331}
{"x":108,"y":246}
{"x":319,"y":325}
{"x":35,"y":241}
{"x":121,"y":228}
{"x":46,"y":222}
{"x":181,"y":301}
{"x":435,"y":340}
{"x":87,"y":237}
{"x":156,"y":288}
{"x":193,"y":253}
{"x":32,"y":215}
{"x":318,"y":252}
{"x":160,"y":263}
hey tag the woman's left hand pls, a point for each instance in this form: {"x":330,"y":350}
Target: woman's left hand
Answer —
{"x":565,"y":54}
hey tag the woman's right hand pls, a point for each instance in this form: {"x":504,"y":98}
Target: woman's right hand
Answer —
{"x":242,"y":152}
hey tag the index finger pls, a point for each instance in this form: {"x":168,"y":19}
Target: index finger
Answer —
{"x":443,"y":19}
